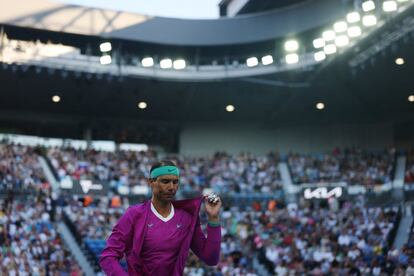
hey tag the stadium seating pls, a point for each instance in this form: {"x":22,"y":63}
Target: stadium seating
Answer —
{"x":352,"y":166}
{"x":350,"y":238}
{"x":29,"y":241}
{"x":223,"y":173}
{"x":20,"y":168}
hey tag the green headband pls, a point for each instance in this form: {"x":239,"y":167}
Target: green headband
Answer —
{"x":165,"y":170}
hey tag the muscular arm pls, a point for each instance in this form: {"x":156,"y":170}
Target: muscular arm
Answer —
{"x":207,"y":248}
{"x":116,"y":246}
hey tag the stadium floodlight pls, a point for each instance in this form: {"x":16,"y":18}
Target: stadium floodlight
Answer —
{"x":252,"y":61}
{"x":399,"y":61}
{"x":318,"y":43}
{"x":342,"y":41}
{"x":105,"y":60}
{"x":230,"y":108}
{"x":56,"y":99}
{"x":292,"y":58}
{"x":354,"y":31}
{"x":353,"y":17}
{"x":319,"y":56}
{"x":142,"y":105}
{"x":166,"y":63}
{"x":266,"y":60}
{"x":320,"y":106}
{"x":179,"y":64}
{"x":369,"y":20}
{"x":411,"y":98}
{"x":105,"y":47}
{"x":291,"y":45}
{"x":389,"y":6}
{"x":368,"y":6}
{"x":328,"y":35}
{"x":329,"y":49}
{"x":340,"y":26}
{"x":147,"y":62}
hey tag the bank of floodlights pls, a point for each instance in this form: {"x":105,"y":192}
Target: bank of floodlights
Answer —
{"x":340,"y":34}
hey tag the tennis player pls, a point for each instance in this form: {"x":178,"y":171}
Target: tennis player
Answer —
{"x":156,"y":236}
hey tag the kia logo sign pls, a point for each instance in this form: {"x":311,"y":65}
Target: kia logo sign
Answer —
{"x":322,"y":193}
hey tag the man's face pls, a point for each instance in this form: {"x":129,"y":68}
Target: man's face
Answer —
{"x":164,"y":187}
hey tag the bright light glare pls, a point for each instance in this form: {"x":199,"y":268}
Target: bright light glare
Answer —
{"x":291,"y":45}
{"x":353,"y":17}
{"x":142,"y":105}
{"x":320,"y":106}
{"x":166,"y":63}
{"x":252,"y":61}
{"x":105,"y":60}
{"x":179,"y":64}
{"x":105,"y":47}
{"x":230,"y":108}
{"x":399,"y":61}
{"x":318,"y":43}
{"x":389,"y":6}
{"x":56,"y":99}
{"x":368,"y":6}
{"x":266,"y":60}
{"x":292,"y":58}
{"x":147,"y":62}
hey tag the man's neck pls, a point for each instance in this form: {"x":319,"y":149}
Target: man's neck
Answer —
{"x":162,"y":207}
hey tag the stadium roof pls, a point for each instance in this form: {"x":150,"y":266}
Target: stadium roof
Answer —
{"x":237,"y":7}
{"x":46,"y":15}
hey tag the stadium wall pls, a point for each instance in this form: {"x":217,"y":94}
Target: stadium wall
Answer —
{"x":205,"y":139}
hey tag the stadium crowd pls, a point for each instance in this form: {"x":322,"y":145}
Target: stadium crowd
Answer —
{"x":20,"y":168}
{"x":243,"y":173}
{"x":353,"y":166}
{"x":347,"y":239}
{"x":29,"y":242}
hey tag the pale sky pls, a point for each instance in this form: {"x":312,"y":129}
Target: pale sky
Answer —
{"x":200,"y":9}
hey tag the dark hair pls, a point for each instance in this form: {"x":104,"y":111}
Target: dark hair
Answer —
{"x":161,"y":164}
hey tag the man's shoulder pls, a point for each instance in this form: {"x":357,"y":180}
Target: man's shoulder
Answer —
{"x":136,"y":210}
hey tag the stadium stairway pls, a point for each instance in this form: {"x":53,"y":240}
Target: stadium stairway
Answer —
{"x":61,"y":227}
{"x":399,"y":172}
{"x":399,"y":175}
{"x":288,"y":187}
{"x":49,"y":174}
{"x":404,"y":227}
{"x":74,"y":248}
